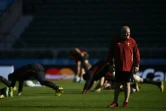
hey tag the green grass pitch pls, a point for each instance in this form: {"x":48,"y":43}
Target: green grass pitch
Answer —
{"x":43,"y":99}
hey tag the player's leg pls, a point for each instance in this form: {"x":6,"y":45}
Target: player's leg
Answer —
{"x":5,"y":91}
{"x":2,"y":95}
{"x":40,"y":76}
{"x":78,"y":70}
{"x":81,"y":74}
{"x":116,"y":95}
{"x":133,"y":87}
{"x":85,"y":66}
{"x":109,"y":84}
{"x":138,"y":79}
{"x":99,"y":85}
{"x":88,"y":77}
{"x":126,"y":86}
{"x":20,"y":87}
{"x":160,"y":84}
{"x":119,"y":77}
{"x":5,"y":81}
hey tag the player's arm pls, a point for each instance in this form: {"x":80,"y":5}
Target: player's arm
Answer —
{"x":88,"y":84}
{"x":5,"y":81}
{"x":13,"y":83}
{"x":20,"y":87}
{"x":136,"y":58}
{"x":78,"y":50}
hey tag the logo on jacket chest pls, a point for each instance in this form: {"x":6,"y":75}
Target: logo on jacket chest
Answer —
{"x":128,"y":43}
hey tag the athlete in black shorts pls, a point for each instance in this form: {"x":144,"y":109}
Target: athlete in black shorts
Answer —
{"x":34,"y":72}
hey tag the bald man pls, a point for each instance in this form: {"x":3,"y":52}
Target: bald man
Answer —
{"x":125,"y":55}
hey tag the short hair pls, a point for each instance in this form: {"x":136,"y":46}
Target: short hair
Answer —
{"x":124,"y":28}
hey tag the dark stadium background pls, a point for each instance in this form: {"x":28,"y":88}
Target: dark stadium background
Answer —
{"x":44,"y":31}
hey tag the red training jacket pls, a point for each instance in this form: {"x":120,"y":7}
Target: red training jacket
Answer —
{"x":124,"y":54}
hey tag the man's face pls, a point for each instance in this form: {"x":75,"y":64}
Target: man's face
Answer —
{"x":125,"y":33}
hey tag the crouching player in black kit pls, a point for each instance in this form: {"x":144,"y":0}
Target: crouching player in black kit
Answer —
{"x":96,"y":72}
{"x":35,"y":72}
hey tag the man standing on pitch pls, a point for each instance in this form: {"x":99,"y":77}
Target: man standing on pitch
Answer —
{"x":124,"y":54}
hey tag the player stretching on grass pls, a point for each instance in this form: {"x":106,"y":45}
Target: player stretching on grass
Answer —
{"x":82,"y":63}
{"x":101,"y":71}
{"x":138,"y":79}
{"x":32,"y":71}
{"x":96,"y":72}
{"x":108,"y":81}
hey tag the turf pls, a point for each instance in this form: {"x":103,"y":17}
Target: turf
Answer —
{"x":43,"y":99}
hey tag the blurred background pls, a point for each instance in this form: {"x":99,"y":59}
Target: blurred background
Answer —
{"x":44,"y":31}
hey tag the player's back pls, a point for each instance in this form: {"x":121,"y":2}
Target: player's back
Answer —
{"x":98,"y":64}
{"x":36,"y":67}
